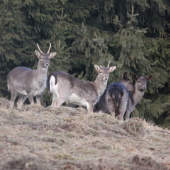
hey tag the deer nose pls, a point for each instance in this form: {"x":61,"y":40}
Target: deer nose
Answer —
{"x":143,"y":88}
{"x":105,"y":78}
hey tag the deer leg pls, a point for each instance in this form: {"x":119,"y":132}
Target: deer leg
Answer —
{"x":54,"y":99}
{"x":38,"y":100}
{"x":66,"y":103}
{"x":128,"y":114}
{"x":13,"y":97}
{"x":60,"y":96}
{"x":122,"y":111}
{"x":21,"y":100}
{"x":89,"y":107}
{"x":57,"y":100}
{"x":111,"y":108}
{"x":30,"y":97}
{"x":110,"y":105}
{"x":60,"y":101}
{"x":122,"y":106}
{"x":121,"y":116}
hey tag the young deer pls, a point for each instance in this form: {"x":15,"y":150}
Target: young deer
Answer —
{"x":136,"y":95}
{"x":65,"y":87}
{"x":122,"y":97}
{"x":27,"y":82}
{"x":121,"y":101}
{"x":120,"y":90}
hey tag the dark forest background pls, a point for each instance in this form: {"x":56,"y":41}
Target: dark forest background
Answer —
{"x":133,"y":34}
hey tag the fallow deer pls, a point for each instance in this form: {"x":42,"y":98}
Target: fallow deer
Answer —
{"x":121,"y":101}
{"x":137,"y":94}
{"x":120,"y":90}
{"x":27,"y":82}
{"x":65,"y":87}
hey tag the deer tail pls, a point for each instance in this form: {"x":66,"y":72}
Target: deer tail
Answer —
{"x":51,"y":81}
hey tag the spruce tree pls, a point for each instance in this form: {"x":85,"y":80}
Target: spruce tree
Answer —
{"x":84,"y":33}
{"x":15,"y":42}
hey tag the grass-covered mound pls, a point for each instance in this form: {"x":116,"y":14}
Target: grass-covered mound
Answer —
{"x":37,"y":138}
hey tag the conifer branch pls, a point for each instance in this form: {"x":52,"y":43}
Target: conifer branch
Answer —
{"x":0,"y":20}
{"x":95,"y":35}
{"x":102,"y":44}
{"x":132,"y":14}
{"x":58,"y":45}
{"x":61,"y":16}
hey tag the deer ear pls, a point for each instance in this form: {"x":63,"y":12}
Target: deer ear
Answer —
{"x":97,"y":68}
{"x":37,"y":53}
{"x":111,"y":69}
{"x":52,"y":55}
{"x":148,"y":77}
{"x":135,"y":77}
{"x":125,"y":75}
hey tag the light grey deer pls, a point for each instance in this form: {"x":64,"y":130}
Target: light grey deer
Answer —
{"x":65,"y":87}
{"x":27,"y":82}
{"x":119,"y":92}
{"x":129,"y":100}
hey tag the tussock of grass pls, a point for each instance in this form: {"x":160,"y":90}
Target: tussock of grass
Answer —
{"x":36,"y":138}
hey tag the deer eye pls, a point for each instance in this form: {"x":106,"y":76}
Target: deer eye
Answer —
{"x":40,"y":58}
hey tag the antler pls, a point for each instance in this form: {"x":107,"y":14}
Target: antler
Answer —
{"x":39,"y":48}
{"x":108,"y":64}
{"x":49,"y":49}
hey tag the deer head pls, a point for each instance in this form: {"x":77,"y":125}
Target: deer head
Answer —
{"x":44,"y":58}
{"x":103,"y":72}
{"x":141,"y":82}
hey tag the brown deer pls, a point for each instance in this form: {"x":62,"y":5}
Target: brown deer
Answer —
{"x":27,"y":82}
{"x":121,"y":98}
{"x":65,"y":87}
{"x":136,"y":95}
{"x":120,"y":90}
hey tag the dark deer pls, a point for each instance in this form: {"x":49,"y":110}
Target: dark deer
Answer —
{"x":122,"y":97}
{"x":27,"y":82}
{"x":120,"y":90}
{"x":136,"y":95}
{"x":65,"y":87}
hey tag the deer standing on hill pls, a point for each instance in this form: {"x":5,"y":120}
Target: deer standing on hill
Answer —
{"x":27,"y":82}
{"x":136,"y":95}
{"x":122,"y":101}
{"x":121,"y":92}
{"x":65,"y":87}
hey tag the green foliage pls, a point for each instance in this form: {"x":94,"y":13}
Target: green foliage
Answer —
{"x":91,"y":48}
{"x":14,"y":48}
{"x":132,"y":34}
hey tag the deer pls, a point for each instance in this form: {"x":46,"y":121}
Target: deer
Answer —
{"x":120,"y":100}
{"x":124,"y":86}
{"x":28,"y":83}
{"x":137,"y":94}
{"x":66,"y":88}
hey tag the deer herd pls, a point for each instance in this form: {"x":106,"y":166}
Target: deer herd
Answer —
{"x":120,"y":98}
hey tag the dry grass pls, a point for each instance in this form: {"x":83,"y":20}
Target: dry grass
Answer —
{"x":37,"y":138}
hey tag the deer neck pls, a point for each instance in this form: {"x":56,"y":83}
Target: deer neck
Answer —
{"x":137,"y":96}
{"x":41,"y":73}
{"x":100,"y":85}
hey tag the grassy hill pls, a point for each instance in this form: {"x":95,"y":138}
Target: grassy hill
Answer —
{"x":37,"y":138}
